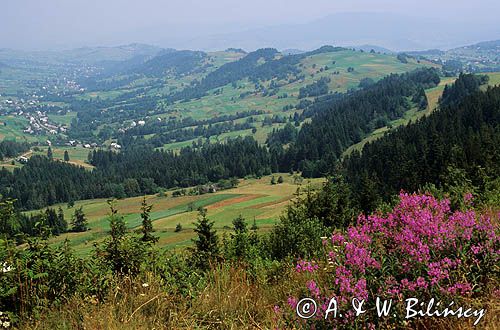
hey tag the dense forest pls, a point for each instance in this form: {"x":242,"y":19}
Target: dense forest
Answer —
{"x":459,"y":142}
{"x":176,"y":63}
{"x":10,"y":149}
{"x":137,"y":171}
{"x":341,"y":121}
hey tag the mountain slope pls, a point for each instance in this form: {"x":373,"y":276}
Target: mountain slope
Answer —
{"x":457,"y":143}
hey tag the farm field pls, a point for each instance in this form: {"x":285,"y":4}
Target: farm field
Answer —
{"x":253,"y":199}
{"x":365,"y":65}
{"x":11,"y":128}
{"x":243,"y":97}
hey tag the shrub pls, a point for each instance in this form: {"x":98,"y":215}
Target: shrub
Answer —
{"x":419,"y":249}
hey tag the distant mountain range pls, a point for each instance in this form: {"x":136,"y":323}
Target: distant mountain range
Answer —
{"x":87,"y":55}
{"x":391,"y":31}
{"x":144,"y":57}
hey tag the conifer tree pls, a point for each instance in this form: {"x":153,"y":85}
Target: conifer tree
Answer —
{"x":147,"y":225}
{"x":79,"y":221}
{"x":116,"y":222}
{"x":62,"y":223}
{"x":114,"y":251}
{"x":273,"y":180}
{"x":240,"y":238}
{"x":66,"y":156}
{"x":49,"y":153}
{"x":8,"y":221}
{"x":206,"y":244}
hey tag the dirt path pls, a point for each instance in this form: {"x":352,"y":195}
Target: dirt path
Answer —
{"x":27,"y":154}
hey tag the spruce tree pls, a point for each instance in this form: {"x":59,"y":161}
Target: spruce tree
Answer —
{"x":113,"y":247}
{"x":61,"y":222}
{"x":66,"y":156}
{"x":273,"y":180}
{"x":79,"y":221}
{"x":147,"y":224}
{"x":9,"y":224}
{"x":206,"y":244}
{"x":240,"y":238}
{"x":117,"y":225}
{"x":49,"y":153}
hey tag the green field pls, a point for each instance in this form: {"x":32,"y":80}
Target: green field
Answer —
{"x":494,"y":78}
{"x":11,"y":127}
{"x":77,"y":155}
{"x":253,"y":199}
{"x":63,"y":119}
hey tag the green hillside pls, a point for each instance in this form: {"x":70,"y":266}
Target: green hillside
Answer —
{"x":106,"y":99}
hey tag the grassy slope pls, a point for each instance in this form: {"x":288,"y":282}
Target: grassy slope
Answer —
{"x":253,"y":198}
{"x":374,"y":66}
{"x":494,"y":78}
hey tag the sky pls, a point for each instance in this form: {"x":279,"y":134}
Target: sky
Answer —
{"x":58,"y":24}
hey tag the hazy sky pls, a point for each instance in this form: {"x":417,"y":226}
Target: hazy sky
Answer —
{"x":45,"y":24}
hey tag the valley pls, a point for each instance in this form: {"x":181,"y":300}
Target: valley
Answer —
{"x":147,"y":187}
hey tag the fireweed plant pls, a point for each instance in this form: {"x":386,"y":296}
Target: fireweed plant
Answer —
{"x":420,"y":249}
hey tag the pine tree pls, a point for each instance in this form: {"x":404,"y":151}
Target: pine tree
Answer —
{"x":61,"y":222}
{"x":117,"y":225}
{"x":49,"y":153}
{"x":9,"y":224}
{"x":206,"y":244}
{"x":240,"y":238}
{"x":79,"y":221}
{"x":280,"y":179}
{"x":147,"y":225}
{"x":66,"y":156}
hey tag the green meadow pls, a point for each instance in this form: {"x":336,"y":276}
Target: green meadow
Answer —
{"x":254,"y":199}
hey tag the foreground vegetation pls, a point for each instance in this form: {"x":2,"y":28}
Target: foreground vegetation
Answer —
{"x":246,"y":280}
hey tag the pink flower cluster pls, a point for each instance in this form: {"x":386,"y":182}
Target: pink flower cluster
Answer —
{"x":306,"y":266}
{"x":420,"y":247}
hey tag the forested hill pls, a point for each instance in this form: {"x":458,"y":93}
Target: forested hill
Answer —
{"x":458,"y":143}
{"x":341,"y":121}
{"x":9,"y":149}
{"x":176,"y":63}
{"x":263,"y":64}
